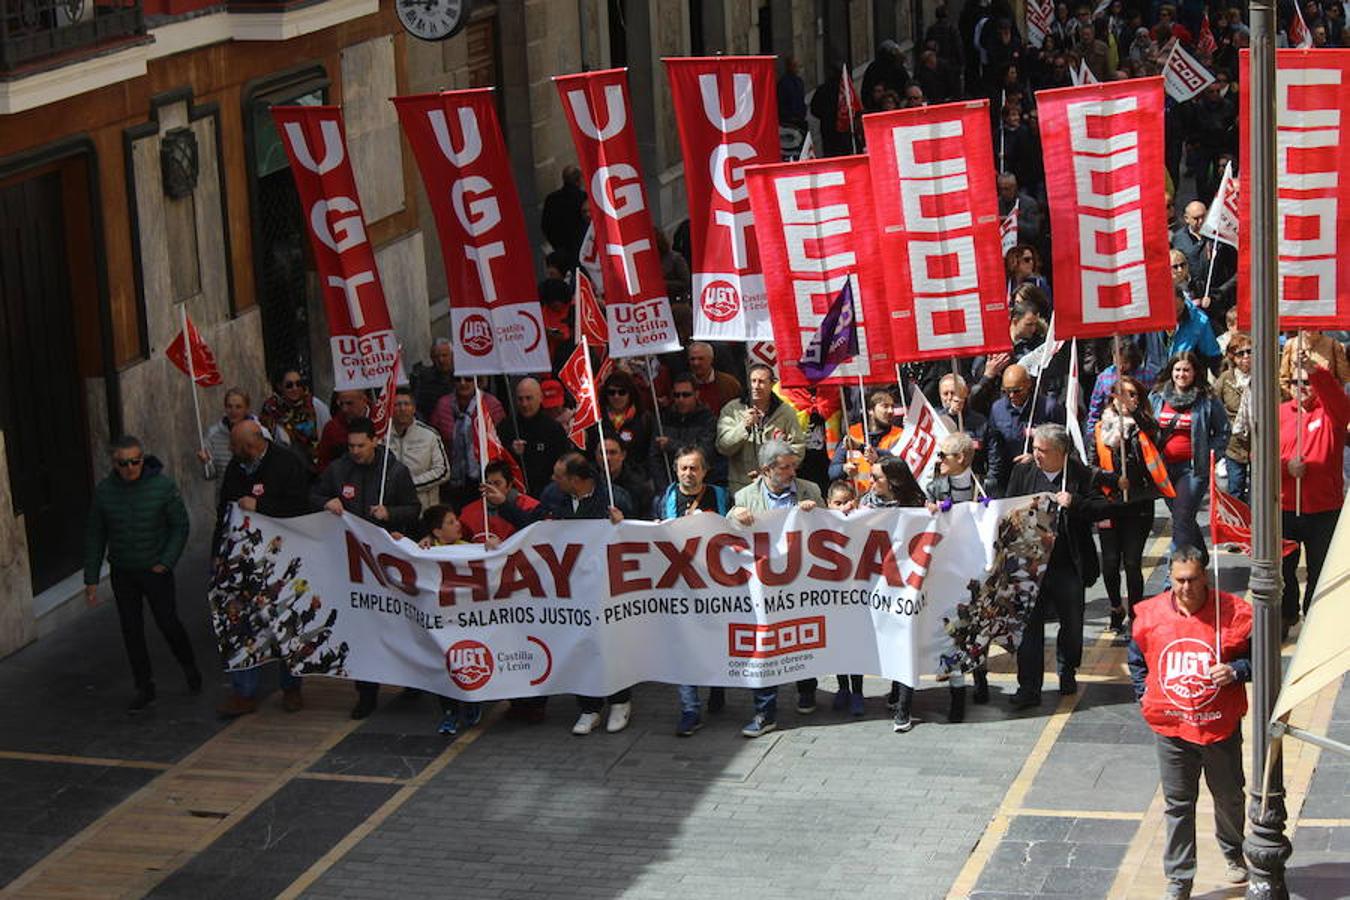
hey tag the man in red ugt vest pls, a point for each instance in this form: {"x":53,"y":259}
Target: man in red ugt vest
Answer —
{"x":1189,"y":656}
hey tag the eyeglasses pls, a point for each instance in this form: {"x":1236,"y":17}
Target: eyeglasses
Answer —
{"x":617,"y":392}
{"x":1028,"y":258}
{"x":128,"y":463}
{"x":942,"y":454}
{"x":1180,"y":265}
{"x":292,"y":384}
{"x":1296,"y":382}
{"x":1246,"y":352}
{"x":1010,"y":391}
{"x":678,"y":394}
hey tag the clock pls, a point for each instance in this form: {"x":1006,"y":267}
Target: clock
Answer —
{"x":433,"y":20}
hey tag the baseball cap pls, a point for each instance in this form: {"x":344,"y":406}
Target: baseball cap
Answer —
{"x":553,"y":393}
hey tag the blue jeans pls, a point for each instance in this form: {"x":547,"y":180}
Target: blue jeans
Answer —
{"x":1237,"y":479}
{"x":1191,"y":488}
{"x":766,"y":702}
{"x":689,"y":702}
{"x":246,"y":683}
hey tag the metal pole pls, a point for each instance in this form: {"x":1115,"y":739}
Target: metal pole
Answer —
{"x":1267,"y":847}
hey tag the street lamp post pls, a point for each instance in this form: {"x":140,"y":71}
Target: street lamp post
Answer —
{"x":1267,"y":848}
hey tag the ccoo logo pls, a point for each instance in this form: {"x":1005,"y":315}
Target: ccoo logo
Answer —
{"x":720,"y":301}
{"x":469,"y":664}
{"x":475,"y":335}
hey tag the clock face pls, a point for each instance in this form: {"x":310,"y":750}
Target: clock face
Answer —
{"x":433,"y":20}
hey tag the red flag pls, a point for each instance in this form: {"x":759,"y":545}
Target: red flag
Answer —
{"x":602,"y":374}
{"x":576,"y":377}
{"x":383,"y":412}
{"x":1230,"y":520}
{"x":590,"y":315}
{"x":496,"y":450}
{"x":933,"y":179}
{"x":1312,"y":222}
{"x":850,"y":107}
{"x":1205,"y":43}
{"x":817,"y":229}
{"x":1103,"y":147}
{"x":1297,"y":33}
{"x":361,"y":334}
{"x":203,"y":370}
{"x":727,"y":114}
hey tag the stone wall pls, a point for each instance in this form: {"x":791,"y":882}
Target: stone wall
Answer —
{"x":16,"y":596}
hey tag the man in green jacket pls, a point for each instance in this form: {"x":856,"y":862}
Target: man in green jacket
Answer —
{"x":138,"y":517}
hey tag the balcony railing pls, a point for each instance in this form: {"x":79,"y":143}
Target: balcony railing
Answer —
{"x":34,"y":31}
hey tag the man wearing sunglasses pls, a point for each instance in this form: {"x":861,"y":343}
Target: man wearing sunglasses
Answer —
{"x":1010,"y":422}
{"x":139,"y":519}
{"x":687,"y":423}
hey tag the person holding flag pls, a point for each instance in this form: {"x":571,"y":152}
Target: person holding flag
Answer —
{"x":1126,"y":439}
{"x":1312,"y":446}
{"x":1192,"y":421}
{"x":368,"y":483}
{"x":745,"y":425}
{"x":858,"y":453}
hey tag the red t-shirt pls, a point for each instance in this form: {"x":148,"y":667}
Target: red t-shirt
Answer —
{"x":1177,"y":448}
{"x":1179,"y":699}
{"x":471,"y":517}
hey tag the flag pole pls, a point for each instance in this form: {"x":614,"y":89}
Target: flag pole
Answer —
{"x":482,"y":455}
{"x":852,"y":126}
{"x":600,"y":421}
{"x":1036,"y":388}
{"x":1002,"y":101}
{"x":192,"y":377}
{"x":960,"y":413}
{"x":515,"y":423}
{"x":389,"y":426}
{"x":1213,"y":249}
{"x":864,"y":410}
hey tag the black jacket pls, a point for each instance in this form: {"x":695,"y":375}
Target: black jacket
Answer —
{"x":280,"y":484}
{"x":1073,"y":531}
{"x":545,"y":441}
{"x":358,"y":487}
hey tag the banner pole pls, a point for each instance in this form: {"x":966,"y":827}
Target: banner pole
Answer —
{"x":1119,"y":397}
{"x":384,"y":470}
{"x":960,"y":413}
{"x":515,"y":423}
{"x":656,"y":414}
{"x":207,"y":466}
{"x":1002,"y":101}
{"x":1298,"y":401}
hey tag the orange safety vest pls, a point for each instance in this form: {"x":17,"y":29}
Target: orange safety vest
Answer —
{"x":863,"y":480}
{"x":1153,"y":461}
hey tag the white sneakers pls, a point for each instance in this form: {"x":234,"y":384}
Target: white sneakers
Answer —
{"x":586,"y":723}
{"x":619,"y":716}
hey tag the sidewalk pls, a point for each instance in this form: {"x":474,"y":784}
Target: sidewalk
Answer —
{"x":1058,"y":801}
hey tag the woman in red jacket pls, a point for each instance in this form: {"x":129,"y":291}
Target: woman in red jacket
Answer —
{"x":1316,"y":463}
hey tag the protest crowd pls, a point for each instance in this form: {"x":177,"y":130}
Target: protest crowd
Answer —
{"x":1108,"y":426}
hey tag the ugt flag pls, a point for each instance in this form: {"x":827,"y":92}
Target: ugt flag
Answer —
{"x":835,"y":342}
{"x":191,"y":354}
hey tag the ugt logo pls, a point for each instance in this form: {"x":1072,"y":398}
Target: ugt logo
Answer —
{"x":469,"y":664}
{"x":475,"y":335}
{"x":1184,"y":677}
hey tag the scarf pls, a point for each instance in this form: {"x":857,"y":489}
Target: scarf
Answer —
{"x":1180,"y":400}
{"x":298,"y":420}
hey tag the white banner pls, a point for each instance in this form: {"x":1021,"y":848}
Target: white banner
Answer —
{"x":589,"y":607}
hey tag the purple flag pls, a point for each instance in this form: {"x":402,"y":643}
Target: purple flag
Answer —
{"x":835,"y":342}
